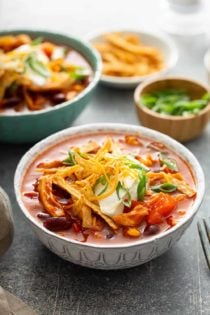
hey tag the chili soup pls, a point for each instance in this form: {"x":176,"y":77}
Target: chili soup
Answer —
{"x":37,"y":73}
{"x":108,"y":188}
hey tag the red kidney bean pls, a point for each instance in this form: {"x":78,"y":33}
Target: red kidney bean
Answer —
{"x":109,"y":236}
{"x":12,"y":101}
{"x":58,"y":98}
{"x":57,"y":224}
{"x":43,"y":215}
{"x":151,"y":229}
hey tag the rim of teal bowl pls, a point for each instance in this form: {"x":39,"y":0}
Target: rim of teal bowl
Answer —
{"x":92,"y":51}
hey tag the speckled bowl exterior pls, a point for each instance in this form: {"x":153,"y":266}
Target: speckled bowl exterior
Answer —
{"x":34,"y":126}
{"x":110,"y":256}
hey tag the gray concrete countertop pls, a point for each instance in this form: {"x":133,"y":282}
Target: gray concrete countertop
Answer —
{"x":177,"y":283}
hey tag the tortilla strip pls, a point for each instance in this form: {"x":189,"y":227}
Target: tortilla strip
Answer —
{"x":68,"y":170}
{"x":122,"y":43}
{"x":8,"y":42}
{"x":90,"y":147}
{"x":73,"y":191}
{"x":6,"y":79}
{"x":132,"y":218}
{"x":46,"y":197}
{"x":87,"y":219}
{"x":58,"y":81}
{"x":124,"y":55}
{"x":119,"y":69}
{"x":153,"y":177}
{"x":59,"y":181}
{"x":56,"y":167}
{"x":174,"y":179}
{"x":50,"y":164}
{"x":97,"y":210}
{"x":182,"y":186}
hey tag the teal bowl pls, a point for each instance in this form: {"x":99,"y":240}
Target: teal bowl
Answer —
{"x":33,"y":126}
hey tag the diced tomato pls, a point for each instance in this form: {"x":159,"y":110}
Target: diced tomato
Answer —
{"x":154,"y":217}
{"x":160,"y":206}
{"x":48,"y":49}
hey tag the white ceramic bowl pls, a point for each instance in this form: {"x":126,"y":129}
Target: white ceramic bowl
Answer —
{"x":158,"y":40}
{"x":110,"y":256}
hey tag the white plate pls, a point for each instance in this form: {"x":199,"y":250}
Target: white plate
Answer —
{"x":157,"y":40}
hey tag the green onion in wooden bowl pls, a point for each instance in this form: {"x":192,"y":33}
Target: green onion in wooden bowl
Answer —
{"x":174,"y":102}
{"x":176,"y":106}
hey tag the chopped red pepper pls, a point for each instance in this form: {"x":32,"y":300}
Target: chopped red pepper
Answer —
{"x":77,"y":227}
{"x":31,"y":195}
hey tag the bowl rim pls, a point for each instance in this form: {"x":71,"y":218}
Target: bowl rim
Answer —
{"x":141,"y":86}
{"x":161,"y":37}
{"x":60,"y":136}
{"x":95,"y":77}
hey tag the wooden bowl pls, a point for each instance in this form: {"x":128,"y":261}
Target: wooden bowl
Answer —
{"x":180,"y":128}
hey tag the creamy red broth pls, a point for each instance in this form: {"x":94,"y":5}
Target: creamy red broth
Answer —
{"x":60,"y":150}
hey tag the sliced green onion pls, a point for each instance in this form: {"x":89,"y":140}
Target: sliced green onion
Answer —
{"x":166,"y":188}
{"x":36,"y":41}
{"x":102,"y":184}
{"x":135,"y":164}
{"x":139,"y":166}
{"x":35,"y":65}
{"x":123,"y":194}
{"x":83,"y":155}
{"x":206,"y":97}
{"x":70,"y":160}
{"x":169,"y":162}
{"x":141,"y":188}
{"x":79,"y":73}
{"x":174,"y":102}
